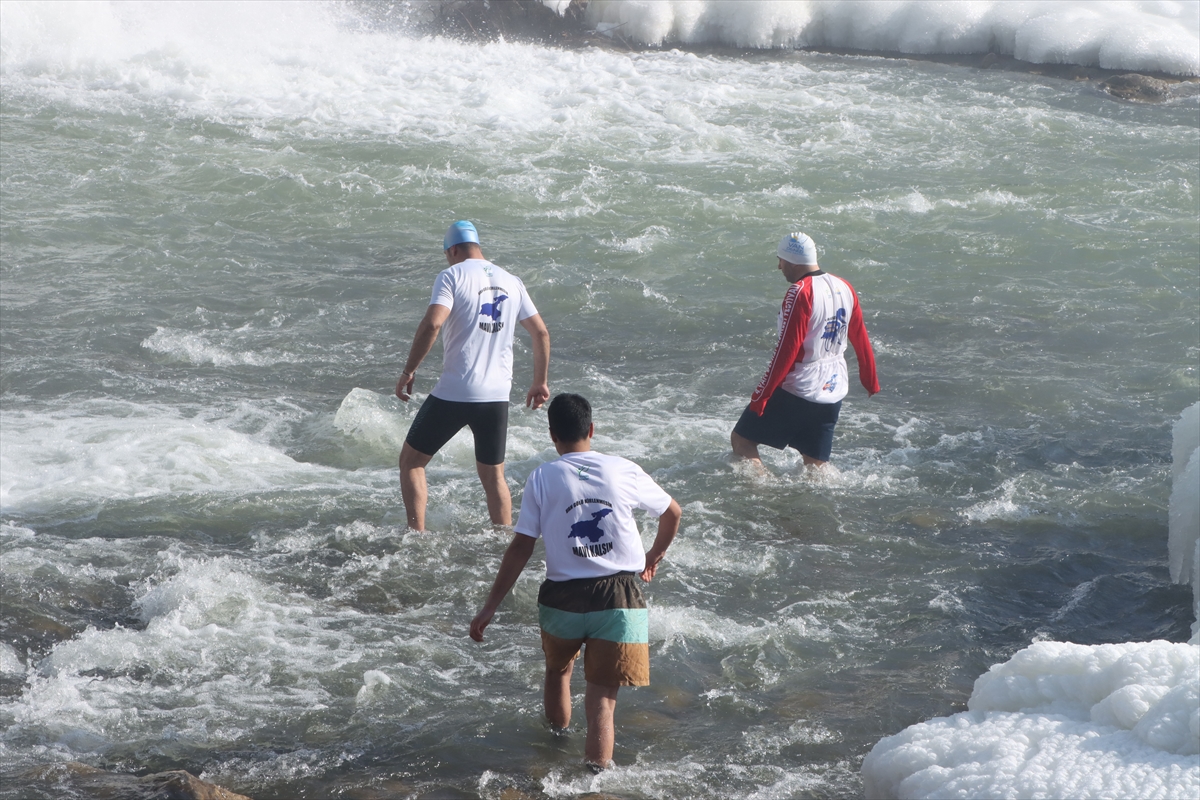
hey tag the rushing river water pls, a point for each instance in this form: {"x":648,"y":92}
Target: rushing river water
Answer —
{"x":220,"y":231}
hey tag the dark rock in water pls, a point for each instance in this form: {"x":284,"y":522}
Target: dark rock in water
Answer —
{"x":173,"y":785}
{"x":1133,"y":86}
{"x":989,"y":61}
{"x":513,"y":20}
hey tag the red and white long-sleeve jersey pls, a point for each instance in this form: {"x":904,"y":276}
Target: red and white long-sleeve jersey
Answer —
{"x":820,"y":314}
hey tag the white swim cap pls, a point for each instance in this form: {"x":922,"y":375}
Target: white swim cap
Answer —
{"x":798,"y":248}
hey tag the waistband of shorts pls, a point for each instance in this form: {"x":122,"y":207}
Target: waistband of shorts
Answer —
{"x":621,"y":590}
{"x":467,"y":403}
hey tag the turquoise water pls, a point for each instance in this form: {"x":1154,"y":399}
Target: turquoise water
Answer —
{"x":216,"y":250}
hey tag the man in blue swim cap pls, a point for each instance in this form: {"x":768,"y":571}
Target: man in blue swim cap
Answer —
{"x":477,"y":304}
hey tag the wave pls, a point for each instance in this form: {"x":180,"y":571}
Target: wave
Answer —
{"x":99,"y":452}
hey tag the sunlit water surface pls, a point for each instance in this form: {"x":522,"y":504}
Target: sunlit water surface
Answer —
{"x":215,"y":253}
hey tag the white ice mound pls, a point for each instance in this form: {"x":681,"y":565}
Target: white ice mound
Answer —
{"x":1183,"y":540}
{"x":1059,"y":720}
{"x":1118,"y":34}
{"x":1069,"y":720}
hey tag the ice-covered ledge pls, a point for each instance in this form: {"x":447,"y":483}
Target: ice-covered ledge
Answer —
{"x":1067,"y":720}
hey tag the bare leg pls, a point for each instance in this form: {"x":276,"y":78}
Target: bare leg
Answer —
{"x":558,"y":696}
{"x":744,"y":448}
{"x":599,"y":702}
{"x":412,"y":485}
{"x":812,"y":462}
{"x":499,"y":501}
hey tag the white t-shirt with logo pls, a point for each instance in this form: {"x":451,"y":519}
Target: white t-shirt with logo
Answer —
{"x":486,"y":303}
{"x":582,"y":506}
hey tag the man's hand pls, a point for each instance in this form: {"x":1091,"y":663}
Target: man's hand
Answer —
{"x":538,"y":395}
{"x":404,"y":386}
{"x":427,"y":333}
{"x":515,"y":558}
{"x":539,"y":389}
{"x":668,"y":526}
{"x":653,"y":559}
{"x":481,"y":621}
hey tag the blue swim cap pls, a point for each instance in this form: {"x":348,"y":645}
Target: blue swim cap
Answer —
{"x":459,"y":232}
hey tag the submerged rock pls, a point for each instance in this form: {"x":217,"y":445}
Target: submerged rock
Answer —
{"x":480,"y":20}
{"x":175,"y":784}
{"x":1134,"y":86}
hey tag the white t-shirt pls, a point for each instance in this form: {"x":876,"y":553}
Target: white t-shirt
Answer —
{"x":486,"y":303}
{"x":582,"y":506}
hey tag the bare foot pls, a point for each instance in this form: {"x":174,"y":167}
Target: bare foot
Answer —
{"x":750,"y":467}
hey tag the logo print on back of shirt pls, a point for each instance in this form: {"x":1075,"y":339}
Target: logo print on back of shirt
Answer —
{"x":583,"y":473}
{"x":835,"y":330}
{"x":590,"y":529}
{"x":831,"y":384}
{"x":492,"y":312}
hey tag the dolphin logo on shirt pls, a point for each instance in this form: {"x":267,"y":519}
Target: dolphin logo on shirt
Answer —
{"x":590,"y":528}
{"x":492,"y":309}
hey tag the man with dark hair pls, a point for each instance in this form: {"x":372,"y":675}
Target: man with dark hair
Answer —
{"x":478,"y":303}
{"x":581,"y":505}
{"x":798,"y":400}
{"x":570,"y":418}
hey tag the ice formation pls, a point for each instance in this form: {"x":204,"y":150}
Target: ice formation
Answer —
{"x":1069,"y":720}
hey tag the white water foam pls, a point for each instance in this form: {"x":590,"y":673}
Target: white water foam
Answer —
{"x":218,"y":631}
{"x":105,"y":451}
{"x":199,"y":348}
{"x":291,"y":64}
{"x":1149,"y":36}
{"x":10,"y":662}
{"x":375,"y":419}
{"x":267,"y":65}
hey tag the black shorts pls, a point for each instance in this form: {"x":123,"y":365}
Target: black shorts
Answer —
{"x":438,"y":420}
{"x":790,"y":420}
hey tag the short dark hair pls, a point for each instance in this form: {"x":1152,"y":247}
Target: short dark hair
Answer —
{"x":570,"y":417}
{"x":466,"y":245}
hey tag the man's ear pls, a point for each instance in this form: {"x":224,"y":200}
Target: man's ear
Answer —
{"x":591,"y":430}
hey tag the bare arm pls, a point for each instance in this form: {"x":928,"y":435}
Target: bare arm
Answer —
{"x":668,"y":526}
{"x":539,"y":390}
{"x":423,"y":339}
{"x":514,"y":561}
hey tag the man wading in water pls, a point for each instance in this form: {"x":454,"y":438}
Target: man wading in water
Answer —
{"x":820,"y":313}
{"x":477,"y":303}
{"x":581,"y":505}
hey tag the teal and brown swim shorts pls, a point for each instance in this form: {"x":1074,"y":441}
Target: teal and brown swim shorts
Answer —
{"x":609,"y":614}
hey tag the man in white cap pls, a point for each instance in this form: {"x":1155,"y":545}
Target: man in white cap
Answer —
{"x":477,"y":303}
{"x":798,"y":399}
